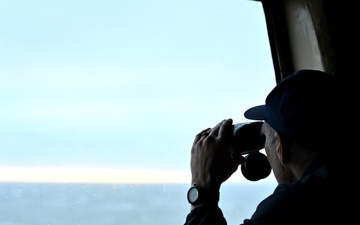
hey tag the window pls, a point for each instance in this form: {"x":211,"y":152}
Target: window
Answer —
{"x":101,"y":101}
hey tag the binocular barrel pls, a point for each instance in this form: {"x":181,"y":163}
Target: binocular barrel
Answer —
{"x":249,"y":140}
{"x":248,"y":137}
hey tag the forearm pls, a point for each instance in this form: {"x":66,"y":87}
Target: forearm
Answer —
{"x":211,"y":165}
{"x":206,"y":214}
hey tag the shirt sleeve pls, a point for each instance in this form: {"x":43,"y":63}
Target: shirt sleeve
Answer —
{"x":206,"y":214}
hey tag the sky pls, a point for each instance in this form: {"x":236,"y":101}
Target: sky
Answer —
{"x":123,"y":86}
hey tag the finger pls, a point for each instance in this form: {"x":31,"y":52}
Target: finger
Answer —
{"x":215,"y":130}
{"x":224,"y":128}
{"x":203,"y":133}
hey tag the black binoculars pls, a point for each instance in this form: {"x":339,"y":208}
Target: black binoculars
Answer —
{"x":249,"y":140}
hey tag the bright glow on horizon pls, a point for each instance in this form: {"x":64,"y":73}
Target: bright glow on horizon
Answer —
{"x":91,"y":175}
{"x":103,"y":175}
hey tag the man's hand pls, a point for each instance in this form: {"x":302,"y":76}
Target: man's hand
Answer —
{"x":212,"y":162}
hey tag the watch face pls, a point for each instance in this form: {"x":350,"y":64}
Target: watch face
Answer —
{"x":193,"y":195}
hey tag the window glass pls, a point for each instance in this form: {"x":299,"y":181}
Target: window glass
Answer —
{"x":101,"y":101}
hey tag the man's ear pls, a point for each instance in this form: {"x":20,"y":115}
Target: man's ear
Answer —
{"x":282,"y":150}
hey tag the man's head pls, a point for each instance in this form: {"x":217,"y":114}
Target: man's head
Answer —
{"x":306,"y":107}
{"x":303,"y":116}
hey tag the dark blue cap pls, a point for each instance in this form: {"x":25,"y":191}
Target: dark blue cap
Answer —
{"x":305,"y":106}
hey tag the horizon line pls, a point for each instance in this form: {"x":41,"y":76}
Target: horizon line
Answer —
{"x":95,"y":175}
{"x":91,"y":175}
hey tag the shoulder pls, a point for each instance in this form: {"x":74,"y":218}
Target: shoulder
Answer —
{"x":311,"y":200}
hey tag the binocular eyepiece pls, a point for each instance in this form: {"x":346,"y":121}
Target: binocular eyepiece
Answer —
{"x":249,"y":140}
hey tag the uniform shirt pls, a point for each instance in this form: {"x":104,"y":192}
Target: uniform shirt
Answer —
{"x":325,"y":194}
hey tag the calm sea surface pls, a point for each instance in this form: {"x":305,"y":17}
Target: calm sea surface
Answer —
{"x":116,"y":204}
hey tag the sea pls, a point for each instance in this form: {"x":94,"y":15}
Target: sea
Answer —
{"x":117,"y":204}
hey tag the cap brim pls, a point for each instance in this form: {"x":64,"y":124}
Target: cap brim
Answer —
{"x":255,"y":113}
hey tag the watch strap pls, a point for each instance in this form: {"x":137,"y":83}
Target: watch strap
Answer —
{"x":205,"y":195}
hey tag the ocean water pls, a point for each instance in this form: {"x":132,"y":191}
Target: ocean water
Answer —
{"x":116,"y":204}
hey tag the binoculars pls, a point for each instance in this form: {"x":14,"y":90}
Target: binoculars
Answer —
{"x":249,"y":140}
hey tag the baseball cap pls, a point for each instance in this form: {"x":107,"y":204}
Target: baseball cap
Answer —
{"x":306,"y":106}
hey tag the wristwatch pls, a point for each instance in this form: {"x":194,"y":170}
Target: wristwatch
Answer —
{"x":197,"y":195}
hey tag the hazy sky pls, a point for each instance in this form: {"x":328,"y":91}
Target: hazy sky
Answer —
{"x":125,"y":84}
